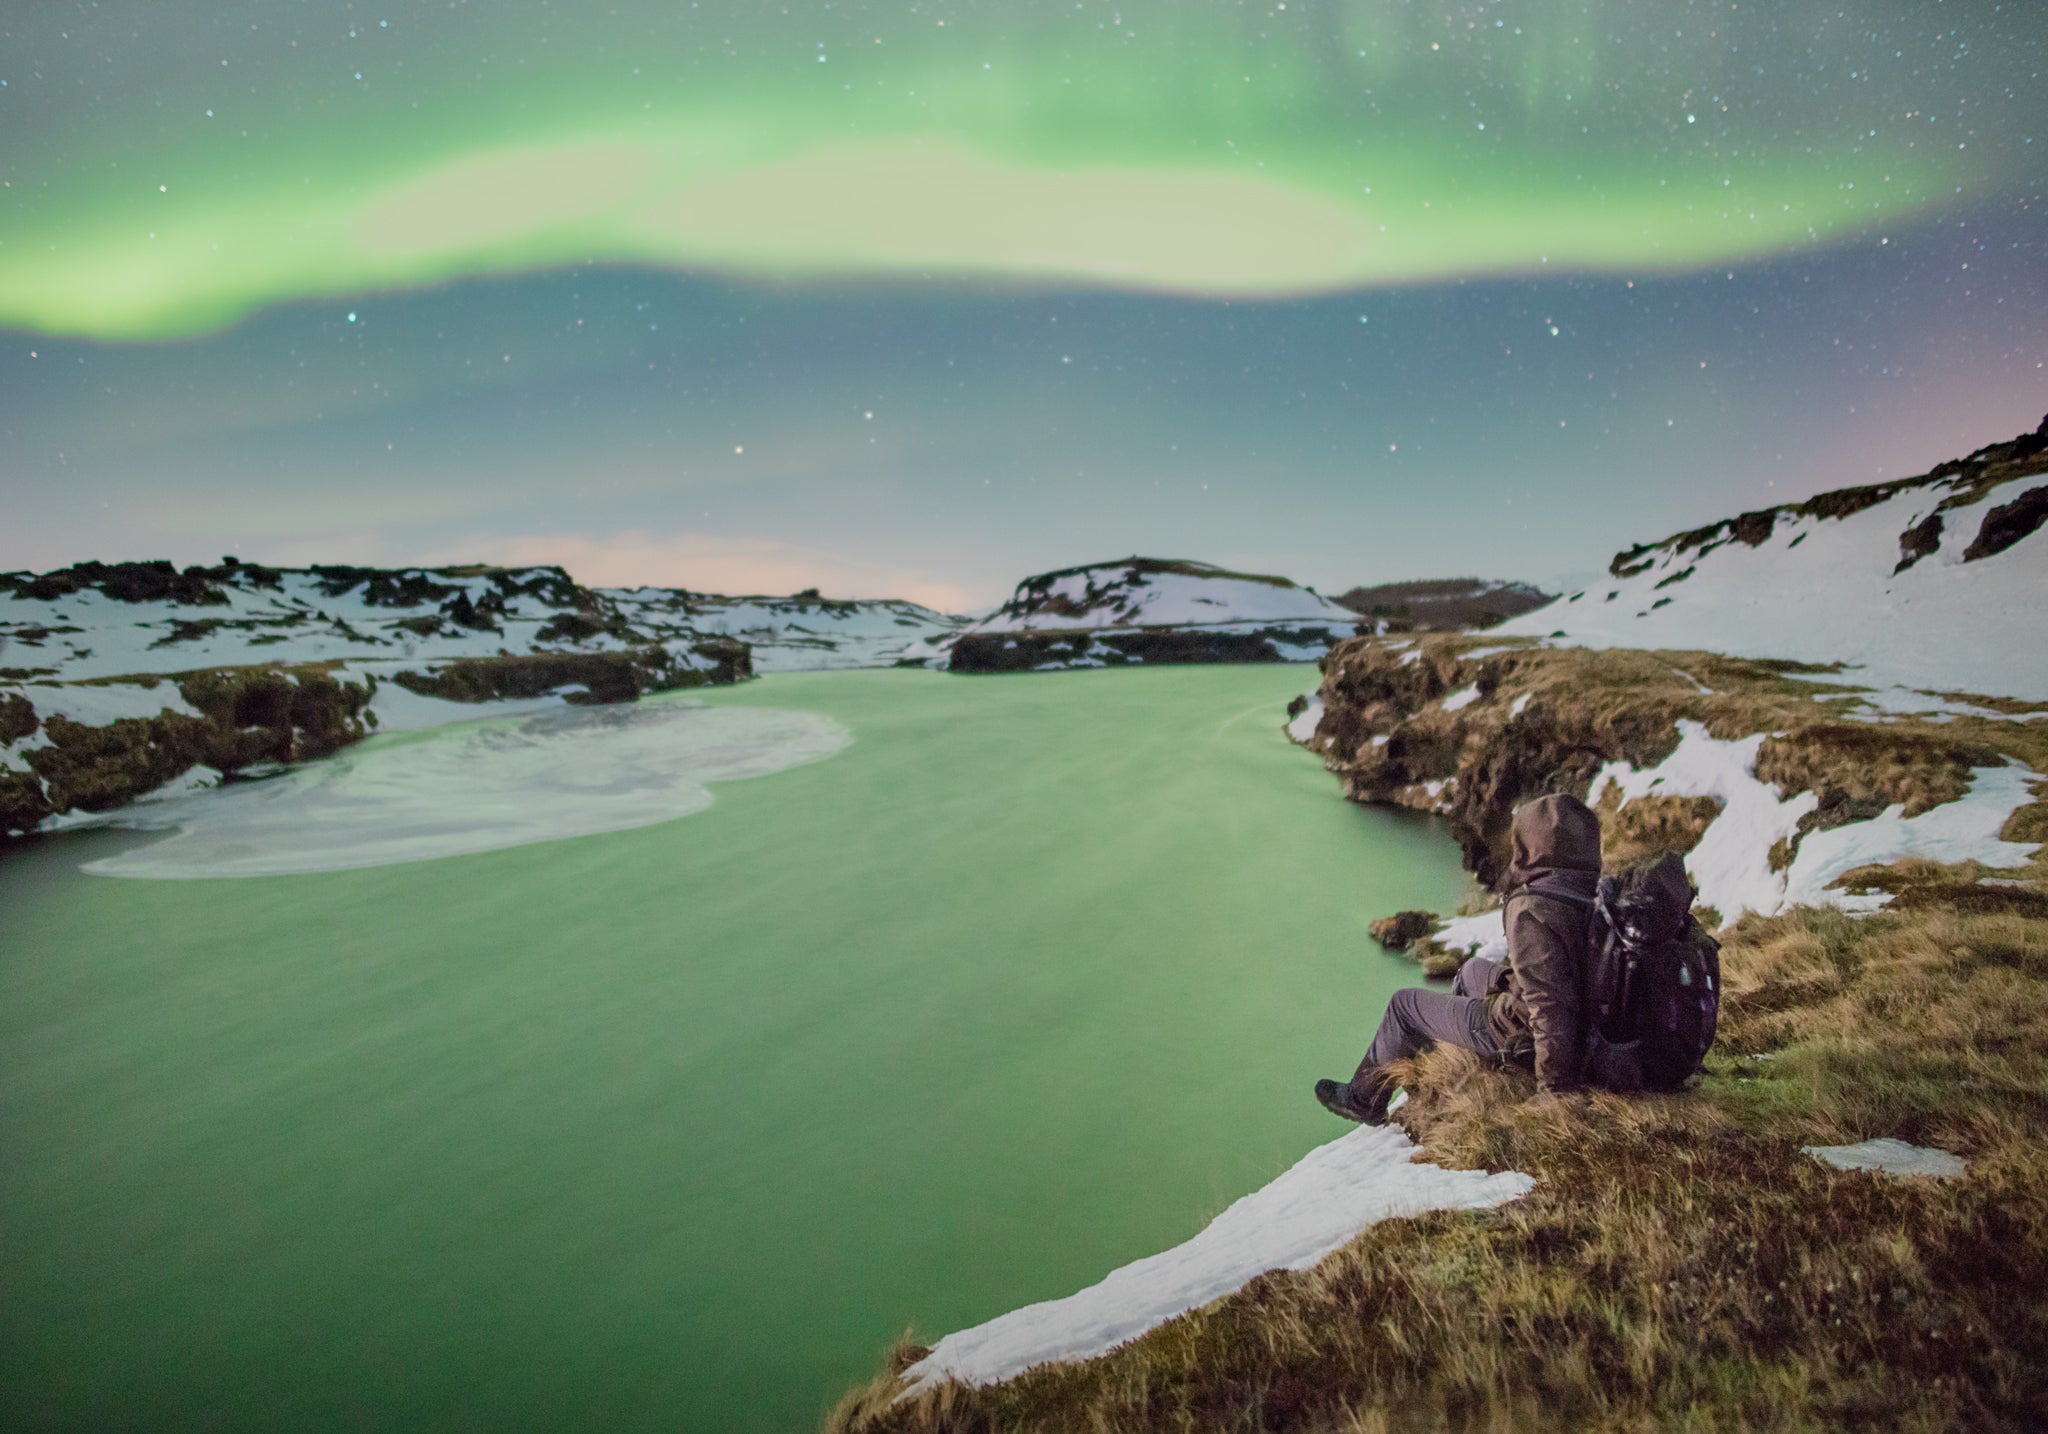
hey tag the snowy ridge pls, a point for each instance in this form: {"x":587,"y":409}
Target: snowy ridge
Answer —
{"x":157,"y":621}
{"x":99,"y":643}
{"x":1153,"y":592}
{"x":1148,"y":609}
{"x":1331,"y":1194}
{"x":1935,"y":583}
{"x":141,"y":622}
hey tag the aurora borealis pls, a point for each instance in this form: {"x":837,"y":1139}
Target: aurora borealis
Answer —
{"x":941,"y":293}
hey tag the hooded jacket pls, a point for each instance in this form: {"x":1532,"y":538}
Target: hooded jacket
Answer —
{"x":1537,"y":1009}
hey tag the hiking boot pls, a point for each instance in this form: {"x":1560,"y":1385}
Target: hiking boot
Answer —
{"x":1337,"y":1099}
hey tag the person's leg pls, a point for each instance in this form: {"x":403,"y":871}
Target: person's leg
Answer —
{"x":1415,"y":1019}
{"x":1475,"y":976}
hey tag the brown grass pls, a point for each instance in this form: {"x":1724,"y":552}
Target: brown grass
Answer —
{"x":1679,"y":1264}
{"x":1863,"y":763}
{"x":1586,"y":708}
{"x":1649,"y":826}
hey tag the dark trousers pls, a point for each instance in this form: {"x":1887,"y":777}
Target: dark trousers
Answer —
{"x":1416,"y":1018}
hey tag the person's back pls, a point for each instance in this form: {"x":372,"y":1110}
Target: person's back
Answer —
{"x":1539,"y":1018}
{"x":1528,"y":1010}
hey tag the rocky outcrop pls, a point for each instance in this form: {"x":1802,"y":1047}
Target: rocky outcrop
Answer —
{"x":1156,"y":610}
{"x":241,"y":717}
{"x":1955,"y":484}
{"x":2009,"y":522}
{"x":1033,"y":651}
{"x":1426,"y":726}
{"x":1445,"y":604}
{"x":601,"y":676}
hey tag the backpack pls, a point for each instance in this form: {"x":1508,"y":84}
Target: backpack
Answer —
{"x":1653,"y":980}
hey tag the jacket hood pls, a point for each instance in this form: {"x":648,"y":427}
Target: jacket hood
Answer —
{"x":1554,"y":834}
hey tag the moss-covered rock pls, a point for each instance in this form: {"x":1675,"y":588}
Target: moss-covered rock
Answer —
{"x":246,"y":715}
{"x":604,"y":676}
{"x":17,"y":717}
{"x":1065,"y":647}
{"x":1403,"y":929}
{"x":157,"y":581}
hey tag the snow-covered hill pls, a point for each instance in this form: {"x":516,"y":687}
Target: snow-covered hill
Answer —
{"x":107,"y":620}
{"x":1936,"y":583}
{"x":117,"y":680}
{"x":1149,"y":609}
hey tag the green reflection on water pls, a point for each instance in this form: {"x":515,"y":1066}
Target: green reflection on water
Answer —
{"x":675,"y":1128}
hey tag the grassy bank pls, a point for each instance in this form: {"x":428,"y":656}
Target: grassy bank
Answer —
{"x":1680,"y":1263}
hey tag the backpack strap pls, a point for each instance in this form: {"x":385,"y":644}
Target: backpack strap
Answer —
{"x":1555,"y":889}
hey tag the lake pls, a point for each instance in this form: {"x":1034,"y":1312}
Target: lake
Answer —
{"x":676,"y":1127}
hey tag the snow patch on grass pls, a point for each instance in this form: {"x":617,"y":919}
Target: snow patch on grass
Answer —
{"x":1954,"y":832}
{"x":1731,"y":864}
{"x":1334,"y":1192}
{"x":1893,"y":1157}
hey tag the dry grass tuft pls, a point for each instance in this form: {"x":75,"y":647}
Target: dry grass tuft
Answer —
{"x":1856,"y":765}
{"x":1650,"y":826}
{"x":1679,"y":1265}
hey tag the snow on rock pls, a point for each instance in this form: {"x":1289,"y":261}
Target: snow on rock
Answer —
{"x":1848,"y":577}
{"x":1151,"y":592}
{"x":1302,"y":726}
{"x":1334,"y":1192}
{"x":1461,"y":699}
{"x":1482,"y":935}
{"x":1148,"y":609}
{"x":472,"y":787}
{"x":400,"y":709}
{"x":99,"y":704}
{"x":99,"y":643}
{"x":807,"y":634}
{"x":99,"y":620}
{"x":1892,"y":1157}
{"x":1731,"y":863}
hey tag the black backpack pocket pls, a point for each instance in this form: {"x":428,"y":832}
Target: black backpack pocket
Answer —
{"x":1616,"y":1065}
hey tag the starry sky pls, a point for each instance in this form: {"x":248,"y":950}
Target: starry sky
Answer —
{"x":914,"y":299}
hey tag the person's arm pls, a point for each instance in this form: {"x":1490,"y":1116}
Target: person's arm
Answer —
{"x":1547,"y":974}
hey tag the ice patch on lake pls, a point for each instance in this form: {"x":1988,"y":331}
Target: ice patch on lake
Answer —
{"x":1893,"y":1157}
{"x":474,"y":787}
{"x":1334,"y":1192}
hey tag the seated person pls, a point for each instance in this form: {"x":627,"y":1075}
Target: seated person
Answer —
{"x":1528,"y":1010}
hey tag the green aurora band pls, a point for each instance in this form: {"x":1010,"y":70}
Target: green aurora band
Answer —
{"x":1178,"y":146}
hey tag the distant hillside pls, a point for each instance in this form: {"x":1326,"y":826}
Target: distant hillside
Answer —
{"x":1445,"y":604}
{"x":1149,"y":610}
{"x":122,"y":679}
{"x":1936,"y":583}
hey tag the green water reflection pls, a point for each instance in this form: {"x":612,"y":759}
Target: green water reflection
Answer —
{"x":675,"y":1128}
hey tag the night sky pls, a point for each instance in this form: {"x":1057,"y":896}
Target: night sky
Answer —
{"x":915,"y":299}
